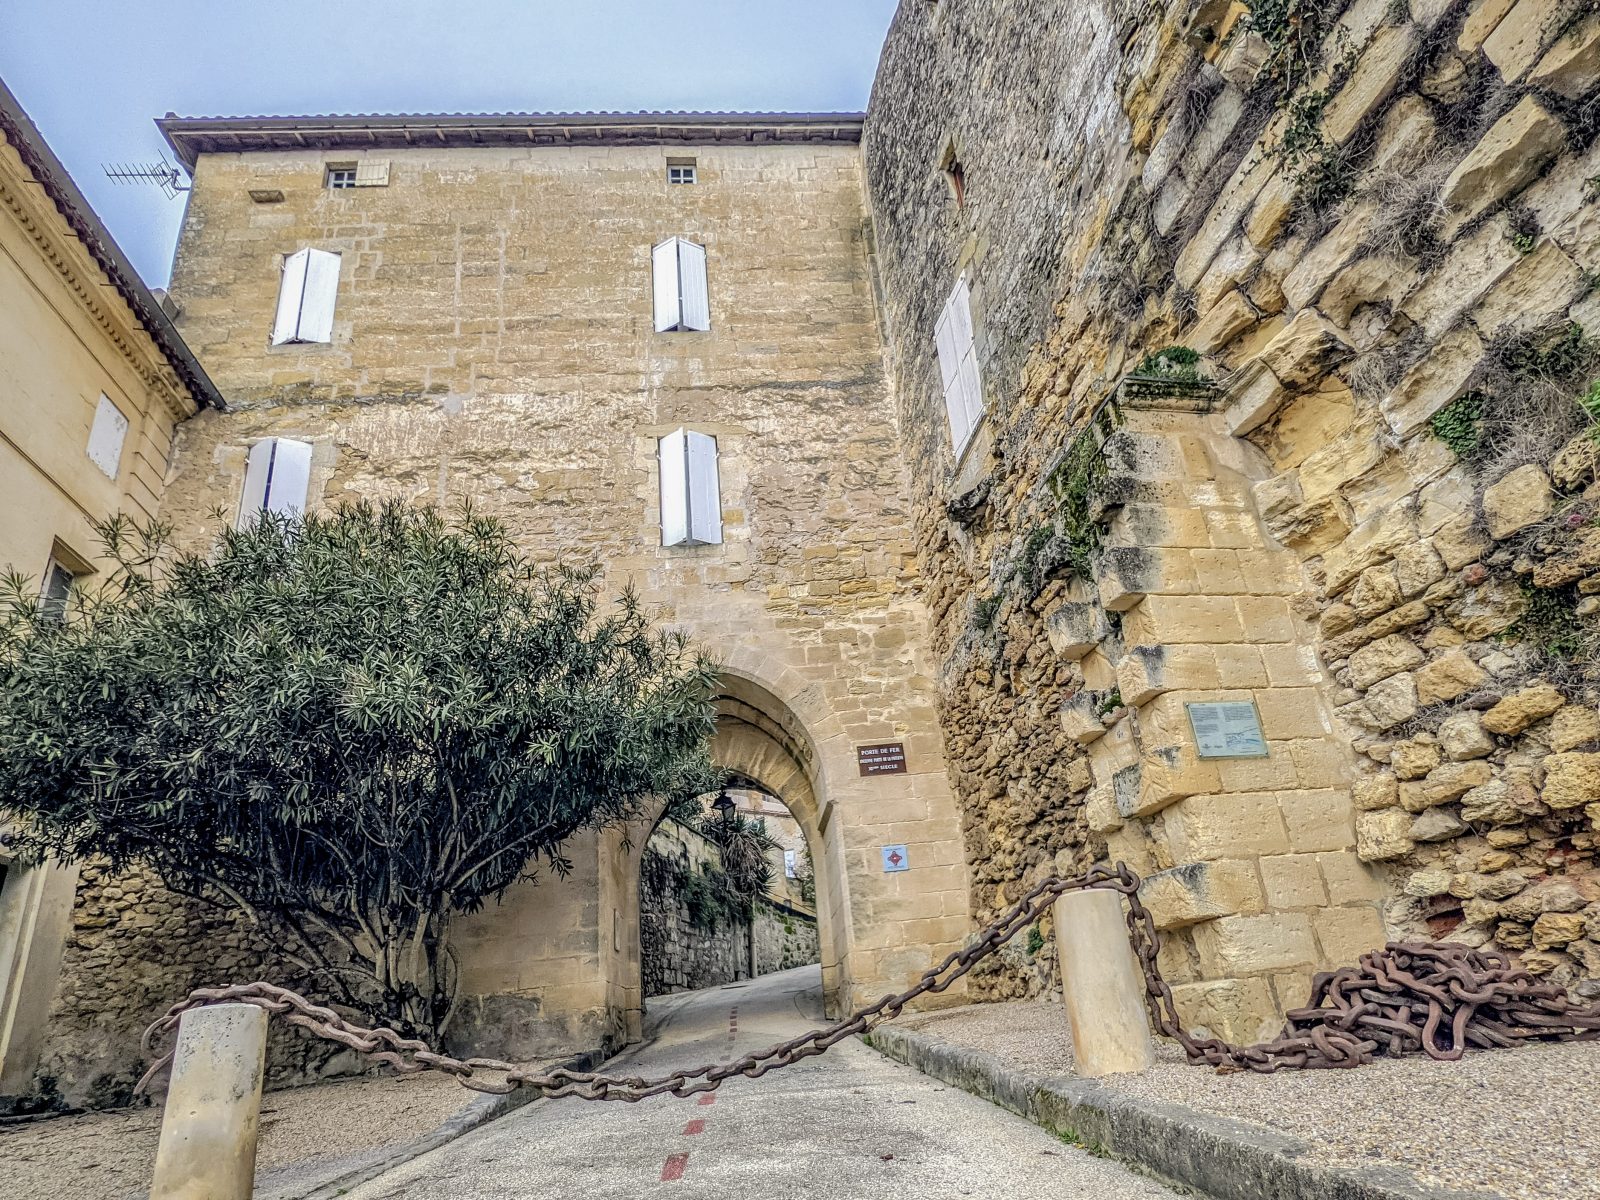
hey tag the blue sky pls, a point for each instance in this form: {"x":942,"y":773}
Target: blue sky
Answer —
{"x":93,"y":73}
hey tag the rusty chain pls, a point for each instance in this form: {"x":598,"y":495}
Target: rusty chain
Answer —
{"x":1432,"y":997}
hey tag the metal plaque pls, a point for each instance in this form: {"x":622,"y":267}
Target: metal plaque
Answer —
{"x":886,"y":759}
{"x":1227,"y":729}
{"x":896,"y":858}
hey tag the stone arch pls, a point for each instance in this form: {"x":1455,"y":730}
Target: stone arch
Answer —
{"x":760,"y":737}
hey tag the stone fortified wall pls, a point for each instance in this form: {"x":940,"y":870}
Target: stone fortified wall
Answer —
{"x":1361,"y":494}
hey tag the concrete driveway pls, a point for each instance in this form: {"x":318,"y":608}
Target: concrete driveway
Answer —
{"x":848,"y":1124}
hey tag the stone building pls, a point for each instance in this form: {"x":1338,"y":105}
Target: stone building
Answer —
{"x":94,"y":381}
{"x":1172,"y":425}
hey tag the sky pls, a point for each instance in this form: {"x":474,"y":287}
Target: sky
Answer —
{"x":93,"y":74}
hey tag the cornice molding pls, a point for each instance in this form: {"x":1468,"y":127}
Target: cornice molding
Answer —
{"x":76,"y":271}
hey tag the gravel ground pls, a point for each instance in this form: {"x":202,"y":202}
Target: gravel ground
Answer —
{"x":308,"y":1134}
{"x":1518,"y":1122}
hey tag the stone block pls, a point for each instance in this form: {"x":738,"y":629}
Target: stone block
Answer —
{"x":1225,"y":320}
{"x":1459,"y":542}
{"x":1370,"y":543}
{"x":1507,"y":158}
{"x":1379,"y":789}
{"x":1433,"y":383}
{"x":1492,"y":802}
{"x":1462,"y":737}
{"x":1571,"y":779}
{"x":1413,"y":759}
{"x":1392,"y":700}
{"x":1518,"y":41}
{"x":1349,"y":879}
{"x":1533,"y":293}
{"x":1449,"y":676}
{"x":1573,"y":726}
{"x":1437,"y":825}
{"x":1428,"y":882}
{"x":1146,"y":672}
{"x":1256,"y":945}
{"x":1481,"y":21}
{"x":1557,"y":929}
{"x":1444,"y":783}
{"x":1236,"y":1010}
{"x":1305,"y":280}
{"x":1571,"y":67}
{"x":1080,"y":721}
{"x":1474,"y":264}
{"x":1076,"y":629}
{"x":1205,"y":828}
{"x":1168,"y":774}
{"x":1383,"y":835}
{"x":1522,"y":708}
{"x":1520,"y":499}
{"x":1202,"y":891}
{"x":1293,"y":881}
{"x":1345,"y":934}
{"x":1318,"y":821}
{"x":1376,"y":72}
{"x":1383,"y":658}
{"x":1253,"y":399}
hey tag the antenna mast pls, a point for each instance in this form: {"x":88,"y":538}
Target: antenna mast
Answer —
{"x":163,"y":174}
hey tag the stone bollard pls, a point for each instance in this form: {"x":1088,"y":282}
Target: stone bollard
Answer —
{"x":1102,"y":988}
{"x":208,"y":1131}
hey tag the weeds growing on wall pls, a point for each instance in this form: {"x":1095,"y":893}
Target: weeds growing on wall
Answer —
{"x":1534,"y":390}
{"x":1293,"y":31}
{"x":1457,"y":424}
{"x":1077,"y":484}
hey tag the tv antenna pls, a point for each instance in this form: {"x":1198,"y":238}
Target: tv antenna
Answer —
{"x":163,"y":174}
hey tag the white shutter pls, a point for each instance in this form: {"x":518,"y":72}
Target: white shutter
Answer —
{"x":664,"y":277}
{"x":106,"y":436}
{"x":372,"y":172}
{"x":673,"y":453}
{"x":322,"y":289}
{"x":705,"y":492}
{"x":277,"y":477}
{"x":290,"y":479}
{"x":692,"y":285}
{"x":955,"y":406}
{"x":290,"y":290}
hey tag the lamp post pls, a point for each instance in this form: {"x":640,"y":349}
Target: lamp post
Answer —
{"x":724,"y":805}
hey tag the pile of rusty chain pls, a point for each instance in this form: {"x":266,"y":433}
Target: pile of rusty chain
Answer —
{"x":1432,"y":997}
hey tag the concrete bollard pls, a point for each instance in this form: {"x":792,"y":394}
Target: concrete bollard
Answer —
{"x":1102,"y":988}
{"x":208,"y":1131}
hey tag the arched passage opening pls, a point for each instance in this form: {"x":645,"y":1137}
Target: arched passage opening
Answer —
{"x":766,"y":750}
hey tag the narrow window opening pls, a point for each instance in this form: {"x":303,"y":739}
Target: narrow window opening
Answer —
{"x":681,"y":170}
{"x":691,"y":490}
{"x":341,"y":176}
{"x":955,"y":175}
{"x":56,"y":595}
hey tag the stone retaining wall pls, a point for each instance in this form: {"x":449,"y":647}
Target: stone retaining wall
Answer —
{"x":1368,"y":507}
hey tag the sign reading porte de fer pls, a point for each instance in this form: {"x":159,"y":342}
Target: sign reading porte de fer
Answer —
{"x":886,"y":759}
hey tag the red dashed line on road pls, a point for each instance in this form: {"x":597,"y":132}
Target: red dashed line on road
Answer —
{"x":707,"y":1098}
{"x":698,"y":1125}
{"x":674,"y":1167}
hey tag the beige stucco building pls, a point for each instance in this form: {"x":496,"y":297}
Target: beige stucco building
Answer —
{"x":94,"y":383}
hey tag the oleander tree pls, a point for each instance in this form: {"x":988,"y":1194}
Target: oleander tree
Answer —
{"x":350,"y":727}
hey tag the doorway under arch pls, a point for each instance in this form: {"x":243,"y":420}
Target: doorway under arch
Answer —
{"x":760,"y":740}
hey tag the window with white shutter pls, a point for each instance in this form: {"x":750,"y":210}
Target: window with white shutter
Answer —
{"x":306,"y":296}
{"x":106,"y":436}
{"x":691,"y":495}
{"x":277,"y":476}
{"x":958,"y":366}
{"x":682,"y":297}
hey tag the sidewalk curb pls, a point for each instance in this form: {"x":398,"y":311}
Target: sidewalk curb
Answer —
{"x":480,"y":1110}
{"x":1216,"y":1156}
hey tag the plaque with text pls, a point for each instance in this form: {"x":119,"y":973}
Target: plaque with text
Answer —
{"x":1227,"y":729}
{"x":887,"y":759}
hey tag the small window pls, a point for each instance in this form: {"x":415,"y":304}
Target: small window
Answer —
{"x":306,"y":296}
{"x":277,"y":476}
{"x":954,"y":174}
{"x":341,"y":176}
{"x":958,"y":366}
{"x":681,"y":170}
{"x":106,"y":436}
{"x":691,"y":494}
{"x":682,"y":301}
{"x":56,"y":595}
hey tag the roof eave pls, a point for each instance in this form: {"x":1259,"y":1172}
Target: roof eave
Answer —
{"x":189,"y":137}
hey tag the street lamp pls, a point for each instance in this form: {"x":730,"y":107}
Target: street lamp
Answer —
{"x":724,"y":805}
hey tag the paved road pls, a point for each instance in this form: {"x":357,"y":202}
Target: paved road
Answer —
{"x":847,"y":1125}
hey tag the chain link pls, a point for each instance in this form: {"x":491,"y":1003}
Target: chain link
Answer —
{"x":1433,"y":997}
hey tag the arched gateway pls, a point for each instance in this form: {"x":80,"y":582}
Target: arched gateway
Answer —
{"x":557,"y":964}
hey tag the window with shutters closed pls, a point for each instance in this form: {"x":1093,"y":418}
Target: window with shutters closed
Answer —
{"x":678,"y":283}
{"x":107,"y":436}
{"x":277,"y":477}
{"x":958,"y":366}
{"x":691,"y":493}
{"x":306,"y":295}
